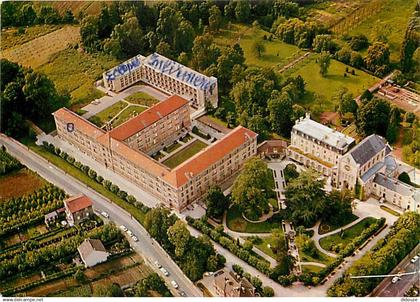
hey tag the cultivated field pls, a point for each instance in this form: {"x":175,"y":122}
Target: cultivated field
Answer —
{"x":37,"y":51}
{"x":19,"y":182}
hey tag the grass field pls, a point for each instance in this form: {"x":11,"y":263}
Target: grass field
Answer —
{"x":349,"y":234}
{"x":320,"y":90}
{"x":390,"y":21}
{"x":326,"y":227}
{"x":76,"y":173}
{"x":185,"y":154}
{"x":81,"y":70}
{"x":277,"y":53}
{"x":128,"y":113}
{"x":263,"y":246}
{"x":237,"y":223}
{"x":311,"y":268}
{"x":105,"y":115}
{"x":20,"y":182}
{"x":11,"y":38}
{"x":142,"y":98}
{"x":36,"y":52}
{"x":305,"y":257}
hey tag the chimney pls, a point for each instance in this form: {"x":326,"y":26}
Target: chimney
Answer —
{"x":308,"y":115}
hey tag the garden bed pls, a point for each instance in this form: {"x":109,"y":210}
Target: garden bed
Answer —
{"x":237,"y":223}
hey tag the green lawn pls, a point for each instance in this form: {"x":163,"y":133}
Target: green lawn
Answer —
{"x":76,"y":72}
{"x":311,"y":268}
{"x":76,"y":173}
{"x":218,"y":121}
{"x":305,"y":257}
{"x":142,"y":98}
{"x":237,"y":223}
{"x":128,"y":113}
{"x":185,"y":154}
{"x":329,"y":242}
{"x":390,"y":21}
{"x":320,"y":90}
{"x":107,"y":114}
{"x":277,"y":53}
{"x":173,"y":147}
{"x":389,"y":210}
{"x":263,"y":246}
{"x":326,"y":227}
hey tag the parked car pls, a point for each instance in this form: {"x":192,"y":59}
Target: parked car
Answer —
{"x":105,"y":214}
{"x":135,"y":238}
{"x":123,"y":228}
{"x":174,"y":284}
{"x":182,"y":293}
{"x":164,"y":271}
{"x":158,"y":264}
{"x":395,"y":279}
{"x":130,"y":233}
{"x":414,"y":259}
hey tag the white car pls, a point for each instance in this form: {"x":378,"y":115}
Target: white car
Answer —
{"x":158,"y":264}
{"x":164,"y":271}
{"x":415,"y":258}
{"x":395,"y":279}
{"x":105,"y":214}
{"x":130,"y":233}
{"x":135,"y":238}
{"x":123,"y":228}
{"x":174,"y":284}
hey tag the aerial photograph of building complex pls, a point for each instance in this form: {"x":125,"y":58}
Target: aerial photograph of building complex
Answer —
{"x":218,"y":148}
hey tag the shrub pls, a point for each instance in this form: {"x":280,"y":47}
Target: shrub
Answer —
{"x":57,"y":150}
{"x":70,"y":159}
{"x":63,"y":154}
{"x":77,"y":164}
{"x":92,"y":174}
{"x":114,"y":188}
{"x":247,"y":276}
{"x":238,"y":269}
{"x":107,"y":184}
{"x":256,"y":282}
{"x":122,"y":194}
{"x":99,"y":178}
{"x":268,"y":291}
{"x":131,"y":199}
{"x":85,"y":169}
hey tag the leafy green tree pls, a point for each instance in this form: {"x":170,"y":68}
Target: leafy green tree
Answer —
{"x":252,"y":187}
{"x":323,"y":43}
{"x":259,"y":125}
{"x":184,"y":37}
{"x":258,"y":48}
{"x":285,"y":8}
{"x":242,"y":10}
{"x":153,"y":282}
{"x":27,"y":15}
{"x":404,"y":177}
{"x":157,"y":222}
{"x":89,"y":33}
{"x":215,"y":18}
{"x":346,"y":102}
{"x":338,"y":207}
{"x":324,"y":62}
{"x":280,"y":107}
{"x":377,"y":59}
{"x":394,"y":125}
{"x":373,"y":117}
{"x":167,"y":24}
{"x":179,"y":236}
{"x":164,"y":49}
{"x":204,"y":52}
{"x":129,"y":37}
{"x":359,"y":42}
{"x":230,"y":60}
{"x":305,"y":198}
{"x":216,"y":202}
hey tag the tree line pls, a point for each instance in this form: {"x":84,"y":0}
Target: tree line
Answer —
{"x":403,"y":236}
{"x":26,"y":14}
{"x":7,"y":162}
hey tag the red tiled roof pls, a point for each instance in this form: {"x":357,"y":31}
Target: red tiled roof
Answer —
{"x":148,"y":117}
{"x":209,"y":156}
{"x":79,"y":122}
{"x":77,"y":203}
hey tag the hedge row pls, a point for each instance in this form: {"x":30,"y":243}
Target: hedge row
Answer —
{"x":233,"y":246}
{"x":99,"y":179}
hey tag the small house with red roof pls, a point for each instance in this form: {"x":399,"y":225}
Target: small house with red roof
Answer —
{"x":78,"y":208}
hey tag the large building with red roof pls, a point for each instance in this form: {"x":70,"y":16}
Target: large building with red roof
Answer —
{"x":126,"y":150}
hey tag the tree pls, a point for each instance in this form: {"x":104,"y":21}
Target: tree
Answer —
{"x":164,"y":49}
{"x":89,"y":33}
{"x":252,"y":187}
{"x":338,"y":207}
{"x":204,"y":52}
{"x":259,"y":125}
{"x":346,"y":102}
{"x":258,"y":48}
{"x":215,"y":18}
{"x":229,"y":62}
{"x":323,"y":43}
{"x":27,"y":14}
{"x":216,"y":202}
{"x":268,"y":291}
{"x":377,"y":59}
{"x":157,"y":221}
{"x":394,"y":124}
{"x":373,"y":117}
{"x":184,"y":37}
{"x":324,"y":63}
{"x":359,"y":42}
{"x":168,"y":23}
{"x":404,"y":177}
{"x":305,"y":198}
{"x":153,"y":282}
{"x":179,"y":236}
{"x":242,"y":10}
{"x":280,"y":107}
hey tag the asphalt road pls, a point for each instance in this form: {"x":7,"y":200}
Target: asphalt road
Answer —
{"x":146,"y":246}
{"x":389,"y":289}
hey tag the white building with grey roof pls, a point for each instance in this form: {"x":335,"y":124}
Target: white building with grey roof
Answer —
{"x":367,"y":168}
